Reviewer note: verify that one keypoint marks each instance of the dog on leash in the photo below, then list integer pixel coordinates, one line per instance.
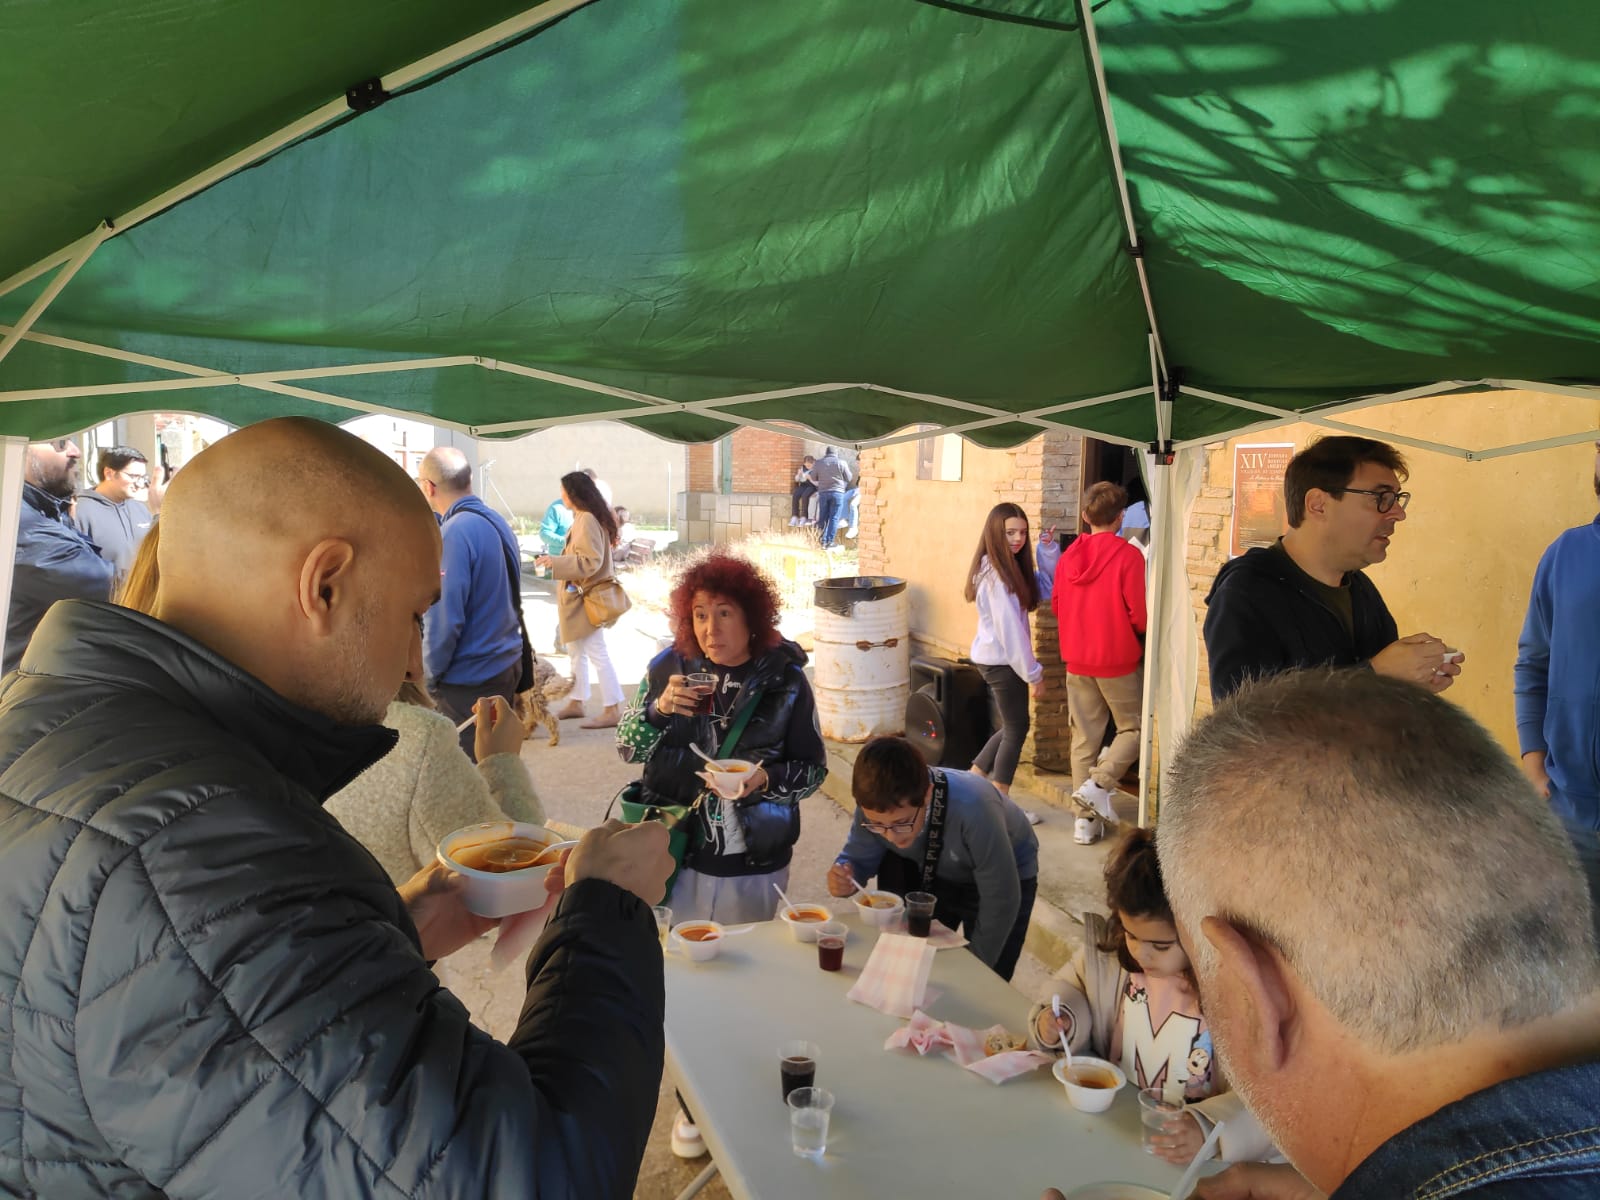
(533, 705)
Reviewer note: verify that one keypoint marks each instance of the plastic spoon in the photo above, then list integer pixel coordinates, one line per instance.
(461, 727)
(702, 754)
(1192, 1171)
(1061, 1031)
(782, 897)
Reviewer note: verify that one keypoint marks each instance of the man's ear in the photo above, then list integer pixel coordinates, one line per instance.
(1264, 997)
(1316, 501)
(325, 592)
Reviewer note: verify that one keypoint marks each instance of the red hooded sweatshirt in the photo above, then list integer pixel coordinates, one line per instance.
(1099, 606)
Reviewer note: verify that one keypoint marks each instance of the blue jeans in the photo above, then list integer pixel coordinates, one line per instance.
(829, 505)
(1533, 1138)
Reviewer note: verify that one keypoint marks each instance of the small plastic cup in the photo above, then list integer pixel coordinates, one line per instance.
(663, 916)
(919, 913)
(797, 1065)
(705, 683)
(831, 938)
(809, 1111)
(1156, 1112)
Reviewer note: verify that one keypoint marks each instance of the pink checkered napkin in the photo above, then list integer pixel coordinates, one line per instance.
(895, 979)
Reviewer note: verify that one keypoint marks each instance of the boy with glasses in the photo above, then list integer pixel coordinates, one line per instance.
(947, 832)
(1305, 601)
(114, 513)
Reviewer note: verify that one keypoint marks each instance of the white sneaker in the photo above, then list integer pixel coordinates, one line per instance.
(1093, 800)
(793, 521)
(1033, 817)
(851, 532)
(1086, 831)
(686, 1139)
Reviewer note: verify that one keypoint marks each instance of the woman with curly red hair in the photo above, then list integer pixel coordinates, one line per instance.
(752, 684)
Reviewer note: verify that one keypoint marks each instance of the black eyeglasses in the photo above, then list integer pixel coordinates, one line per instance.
(905, 826)
(1387, 497)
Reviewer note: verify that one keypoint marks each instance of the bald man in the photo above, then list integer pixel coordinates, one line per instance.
(207, 988)
(473, 637)
(55, 560)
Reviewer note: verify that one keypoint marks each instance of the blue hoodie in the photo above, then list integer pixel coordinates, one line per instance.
(472, 633)
(1558, 674)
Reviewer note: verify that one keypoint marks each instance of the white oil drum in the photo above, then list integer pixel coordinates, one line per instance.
(862, 649)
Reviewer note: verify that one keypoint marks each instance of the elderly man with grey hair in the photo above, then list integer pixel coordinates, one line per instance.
(1392, 941)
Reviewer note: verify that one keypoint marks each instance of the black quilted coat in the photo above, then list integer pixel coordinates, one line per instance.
(208, 989)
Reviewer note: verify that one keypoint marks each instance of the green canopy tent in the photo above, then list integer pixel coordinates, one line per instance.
(1157, 224)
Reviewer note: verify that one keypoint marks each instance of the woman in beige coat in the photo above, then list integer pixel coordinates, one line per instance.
(584, 562)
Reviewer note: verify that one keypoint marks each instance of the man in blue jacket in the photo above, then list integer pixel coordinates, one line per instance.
(55, 561)
(472, 638)
(1558, 688)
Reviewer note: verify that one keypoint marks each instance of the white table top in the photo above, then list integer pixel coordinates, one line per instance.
(903, 1126)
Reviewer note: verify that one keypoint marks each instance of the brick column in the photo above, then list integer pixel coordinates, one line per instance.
(1208, 551)
(702, 469)
(873, 465)
(764, 461)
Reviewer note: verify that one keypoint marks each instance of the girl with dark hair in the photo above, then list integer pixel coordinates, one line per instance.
(584, 563)
(734, 686)
(1128, 996)
(1003, 584)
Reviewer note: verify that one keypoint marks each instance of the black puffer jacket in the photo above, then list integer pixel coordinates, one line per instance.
(771, 819)
(55, 561)
(208, 989)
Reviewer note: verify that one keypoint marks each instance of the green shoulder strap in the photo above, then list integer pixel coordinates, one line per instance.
(736, 730)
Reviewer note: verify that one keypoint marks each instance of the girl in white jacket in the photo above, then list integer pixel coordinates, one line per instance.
(1004, 586)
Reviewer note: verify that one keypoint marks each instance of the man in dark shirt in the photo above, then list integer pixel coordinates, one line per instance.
(1305, 601)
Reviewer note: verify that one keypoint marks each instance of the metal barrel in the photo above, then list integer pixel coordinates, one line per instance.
(862, 647)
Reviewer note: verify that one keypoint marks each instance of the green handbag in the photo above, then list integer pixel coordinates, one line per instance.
(633, 810)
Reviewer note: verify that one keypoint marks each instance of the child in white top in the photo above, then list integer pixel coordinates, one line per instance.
(1128, 996)
(1005, 588)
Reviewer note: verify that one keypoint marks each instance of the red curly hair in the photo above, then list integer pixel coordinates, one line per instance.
(736, 579)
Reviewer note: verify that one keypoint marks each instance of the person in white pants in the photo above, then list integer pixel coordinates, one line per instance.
(584, 561)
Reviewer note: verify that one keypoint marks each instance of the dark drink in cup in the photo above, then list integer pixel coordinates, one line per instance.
(705, 685)
(798, 1071)
(919, 913)
(830, 951)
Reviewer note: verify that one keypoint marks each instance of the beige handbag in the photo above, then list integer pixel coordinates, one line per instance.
(604, 602)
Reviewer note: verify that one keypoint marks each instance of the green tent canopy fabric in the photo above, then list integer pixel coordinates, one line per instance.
(853, 216)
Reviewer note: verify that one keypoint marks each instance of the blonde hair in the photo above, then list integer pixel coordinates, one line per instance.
(1378, 838)
(139, 589)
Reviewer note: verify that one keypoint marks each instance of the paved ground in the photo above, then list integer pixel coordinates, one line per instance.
(578, 778)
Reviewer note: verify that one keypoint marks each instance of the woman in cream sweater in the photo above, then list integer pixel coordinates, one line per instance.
(401, 806)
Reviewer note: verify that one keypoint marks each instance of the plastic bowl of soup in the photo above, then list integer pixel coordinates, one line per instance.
(700, 940)
(1116, 1191)
(878, 908)
(1092, 1084)
(503, 863)
(729, 775)
(804, 920)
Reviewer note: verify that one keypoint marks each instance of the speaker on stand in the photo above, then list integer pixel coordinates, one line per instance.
(949, 715)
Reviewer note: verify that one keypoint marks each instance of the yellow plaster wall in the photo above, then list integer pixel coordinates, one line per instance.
(930, 530)
(1462, 563)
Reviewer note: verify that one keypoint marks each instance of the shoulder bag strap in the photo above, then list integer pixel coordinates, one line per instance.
(514, 578)
(740, 723)
(936, 810)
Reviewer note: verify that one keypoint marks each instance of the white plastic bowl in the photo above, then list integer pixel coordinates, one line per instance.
(805, 931)
(728, 776)
(500, 893)
(1087, 1099)
(1115, 1191)
(699, 951)
(880, 917)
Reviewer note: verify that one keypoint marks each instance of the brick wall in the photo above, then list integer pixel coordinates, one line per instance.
(702, 473)
(1208, 550)
(765, 461)
(1044, 479)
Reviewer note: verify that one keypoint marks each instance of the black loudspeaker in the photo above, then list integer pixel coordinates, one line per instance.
(948, 716)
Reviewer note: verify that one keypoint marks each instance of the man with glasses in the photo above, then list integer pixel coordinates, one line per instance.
(1305, 601)
(946, 832)
(114, 513)
(54, 561)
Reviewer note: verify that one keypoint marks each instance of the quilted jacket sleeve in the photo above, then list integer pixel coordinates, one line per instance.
(276, 1032)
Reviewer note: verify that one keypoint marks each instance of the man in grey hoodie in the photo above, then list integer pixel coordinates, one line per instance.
(114, 514)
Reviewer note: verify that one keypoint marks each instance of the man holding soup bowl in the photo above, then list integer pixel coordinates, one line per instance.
(223, 964)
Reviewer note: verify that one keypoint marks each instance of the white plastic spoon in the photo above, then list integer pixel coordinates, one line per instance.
(1192, 1171)
(1061, 1031)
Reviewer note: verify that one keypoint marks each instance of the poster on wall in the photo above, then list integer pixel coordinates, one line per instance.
(1259, 515)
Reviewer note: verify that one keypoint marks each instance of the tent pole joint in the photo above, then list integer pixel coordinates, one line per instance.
(366, 95)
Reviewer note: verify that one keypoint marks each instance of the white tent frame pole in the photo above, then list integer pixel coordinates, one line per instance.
(1135, 249)
(1155, 585)
(897, 438)
(13, 463)
(41, 302)
(1549, 389)
(1550, 443)
(29, 273)
(333, 110)
(1288, 415)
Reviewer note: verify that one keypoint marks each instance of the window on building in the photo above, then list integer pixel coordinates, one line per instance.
(939, 458)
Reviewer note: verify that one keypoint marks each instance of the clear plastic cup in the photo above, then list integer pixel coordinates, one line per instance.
(831, 938)
(809, 1111)
(919, 913)
(1156, 1112)
(663, 916)
(797, 1065)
